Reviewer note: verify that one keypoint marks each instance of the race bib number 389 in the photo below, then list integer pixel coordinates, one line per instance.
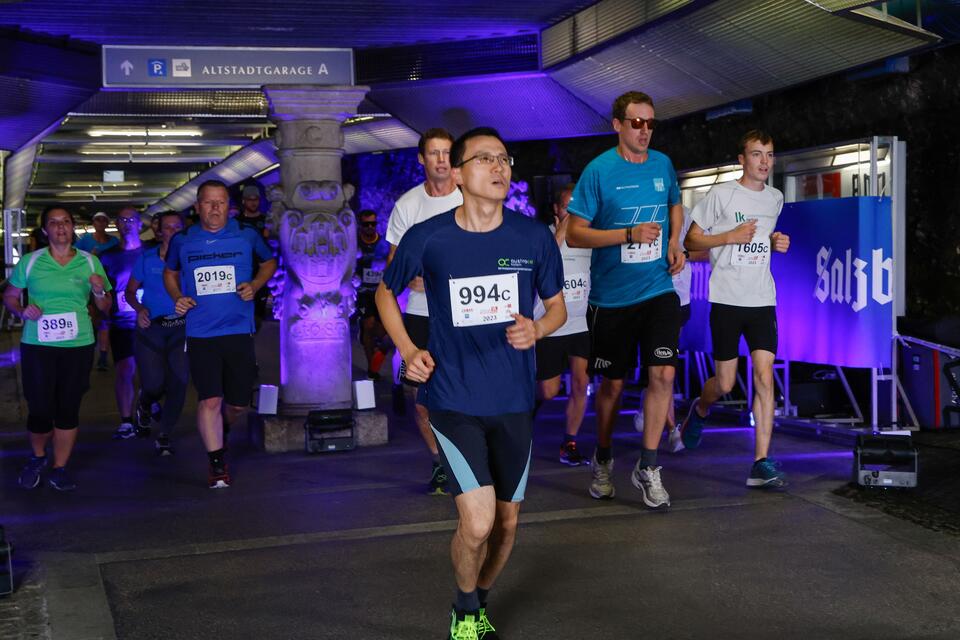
(484, 299)
(214, 280)
(57, 327)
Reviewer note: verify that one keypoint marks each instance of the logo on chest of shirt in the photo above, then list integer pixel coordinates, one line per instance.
(739, 217)
(658, 184)
(515, 264)
(223, 255)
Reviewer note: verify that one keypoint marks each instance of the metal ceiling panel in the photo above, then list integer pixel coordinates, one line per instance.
(521, 106)
(378, 135)
(844, 5)
(599, 23)
(29, 106)
(731, 50)
(176, 104)
(301, 23)
(17, 171)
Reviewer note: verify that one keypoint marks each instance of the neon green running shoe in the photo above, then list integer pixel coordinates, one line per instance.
(485, 630)
(463, 626)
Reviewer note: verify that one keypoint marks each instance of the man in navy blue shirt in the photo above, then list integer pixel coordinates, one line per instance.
(482, 266)
(209, 275)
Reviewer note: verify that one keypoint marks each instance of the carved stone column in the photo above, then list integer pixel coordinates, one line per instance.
(318, 242)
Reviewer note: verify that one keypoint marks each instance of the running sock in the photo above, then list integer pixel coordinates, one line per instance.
(128, 419)
(759, 460)
(216, 457)
(482, 596)
(467, 601)
(648, 458)
(604, 454)
(567, 438)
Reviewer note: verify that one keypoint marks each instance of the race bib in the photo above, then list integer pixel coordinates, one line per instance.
(213, 280)
(633, 252)
(751, 254)
(484, 299)
(57, 327)
(122, 305)
(576, 287)
(372, 276)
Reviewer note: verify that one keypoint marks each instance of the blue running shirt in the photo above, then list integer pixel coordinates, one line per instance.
(473, 282)
(148, 270)
(614, 194)
(211, 265)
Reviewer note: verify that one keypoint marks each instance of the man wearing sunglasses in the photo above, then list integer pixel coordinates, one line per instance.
(118, 263)
(436, 194)
(626, 207)
(482, 266)
(372, 251)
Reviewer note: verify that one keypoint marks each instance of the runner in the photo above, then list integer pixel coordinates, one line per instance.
(626, 206)
(568, 346)
(159, 347)
(372, 252)
(56, 349)
(216, 295)
(740, 218)
(436, 194)
(481, 265)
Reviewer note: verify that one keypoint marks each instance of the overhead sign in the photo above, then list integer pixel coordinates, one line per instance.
(223, 67)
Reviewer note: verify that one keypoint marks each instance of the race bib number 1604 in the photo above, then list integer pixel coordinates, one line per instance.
(484, 299)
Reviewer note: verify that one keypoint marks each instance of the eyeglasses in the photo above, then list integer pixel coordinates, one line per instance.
(637, 123)
(126, 220)
(487, 160)
(369, 224)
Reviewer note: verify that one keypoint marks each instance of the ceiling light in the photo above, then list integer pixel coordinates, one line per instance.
(729, 175)
(131, 152)
(700, 181)
(143, 132)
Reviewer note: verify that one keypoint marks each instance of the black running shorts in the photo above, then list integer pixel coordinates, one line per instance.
(418, 328)
(121, 343)
(554, 353)
(727, 323)
(616, 333)
(485, 451)
(223, 367)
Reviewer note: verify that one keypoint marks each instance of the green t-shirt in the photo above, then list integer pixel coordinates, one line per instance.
(61, 293)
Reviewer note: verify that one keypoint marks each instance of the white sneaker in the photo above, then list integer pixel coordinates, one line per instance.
(648, 481)
(675, 441)
(638, 420)
(125, 431)
(601, 487)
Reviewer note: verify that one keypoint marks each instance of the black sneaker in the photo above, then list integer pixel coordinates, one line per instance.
(143, 417)
(485, 630)
(570, 456)
(162, 445)
(218, 477)
(125, 431)
(439, 483)
(60, 480)
(30, 475)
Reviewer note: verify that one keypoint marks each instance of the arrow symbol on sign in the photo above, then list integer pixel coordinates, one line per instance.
(127, 67)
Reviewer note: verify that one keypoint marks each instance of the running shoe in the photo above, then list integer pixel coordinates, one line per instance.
(463, 625)
(570, 456)
(766, 474)
(218, 477)
(485, 630)
(125, 431)
(675, 441)
(60, 480)
(156, 411)
(439, 483)
(162, 445)
(691, 431)
(648, 481)
(601, 487)
(30, 475)
(143, 416)
(638, 421)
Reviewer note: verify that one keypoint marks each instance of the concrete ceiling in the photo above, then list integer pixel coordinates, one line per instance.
(532, 68)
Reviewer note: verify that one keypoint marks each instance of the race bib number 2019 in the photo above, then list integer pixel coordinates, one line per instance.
(58, 327)
(214, 280)
(484, 299)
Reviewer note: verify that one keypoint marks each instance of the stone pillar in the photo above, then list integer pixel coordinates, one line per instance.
(318, 242)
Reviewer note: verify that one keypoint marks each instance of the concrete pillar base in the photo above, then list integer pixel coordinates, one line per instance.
(279, 434)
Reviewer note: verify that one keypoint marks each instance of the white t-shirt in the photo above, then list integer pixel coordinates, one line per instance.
(741, 272)
(411, 208)
(576, 289)
(681, 281)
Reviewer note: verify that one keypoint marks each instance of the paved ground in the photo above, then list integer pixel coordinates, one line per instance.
(347, 546)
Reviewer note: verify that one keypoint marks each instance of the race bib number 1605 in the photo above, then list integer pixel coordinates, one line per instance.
(484, 299)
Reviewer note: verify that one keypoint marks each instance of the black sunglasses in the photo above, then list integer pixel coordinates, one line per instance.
(637, 123)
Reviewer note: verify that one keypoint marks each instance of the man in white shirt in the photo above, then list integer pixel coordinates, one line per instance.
(436, 194)
(736, 221)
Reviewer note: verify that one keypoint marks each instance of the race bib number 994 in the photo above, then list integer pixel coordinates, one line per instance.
(484, 299)
(214, 280)
(57, 327)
